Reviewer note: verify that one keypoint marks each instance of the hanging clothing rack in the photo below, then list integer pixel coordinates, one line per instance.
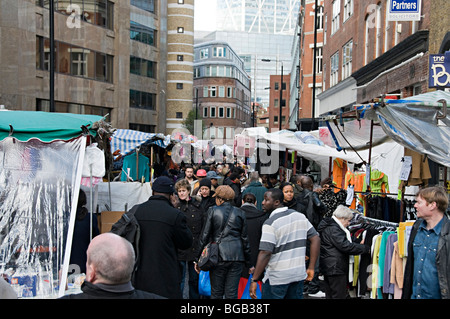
(372, 221)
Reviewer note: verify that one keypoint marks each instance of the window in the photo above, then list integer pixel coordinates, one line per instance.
(221, 91)
(348, 9)
(378, 33)
(141, 33)
(142, 67)
(179, 86)
(180, 1)
(277, 86)
(143, 127)
(347, 59)
(334, 72)
(366, 40)
(205, 91)
(147, 5)
(275, 119)
(228, 112)
(179, 115)
(221, 112)
(229, 92)
(204, 53)
(213, 91)
(180, 57)
(319, 59)
(213, 111)
(74, 60)
(336, 16)
(77, 62)
(64, 107)
(143, 100)
(180, 29)
(97, 12)
(219, 52)
(319, 20)
(205, 112)
(275, 103)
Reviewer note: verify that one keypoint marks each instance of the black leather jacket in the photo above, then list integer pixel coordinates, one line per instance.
(234, 245)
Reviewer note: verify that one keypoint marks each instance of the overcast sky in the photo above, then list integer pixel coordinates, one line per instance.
(205, 15)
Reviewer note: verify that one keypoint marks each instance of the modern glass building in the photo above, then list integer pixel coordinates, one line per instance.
(261, 33)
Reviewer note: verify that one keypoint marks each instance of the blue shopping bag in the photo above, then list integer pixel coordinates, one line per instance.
(246, 293)
(204, 284)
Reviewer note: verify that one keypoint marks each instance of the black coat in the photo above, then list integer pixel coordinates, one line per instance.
(255, 220)
(163, 232)
(335, 248)
(91, 291)
(234, 245)
(195, 216)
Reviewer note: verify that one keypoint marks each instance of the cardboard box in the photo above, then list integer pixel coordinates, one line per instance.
(107, 219)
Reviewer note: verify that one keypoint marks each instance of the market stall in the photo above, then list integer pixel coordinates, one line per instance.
(41, 167)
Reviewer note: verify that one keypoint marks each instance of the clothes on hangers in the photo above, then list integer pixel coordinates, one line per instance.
(129, 162)
(332, 200)
(339, 170)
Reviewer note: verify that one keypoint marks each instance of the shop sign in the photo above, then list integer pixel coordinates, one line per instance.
(404, 10)
(439, 71)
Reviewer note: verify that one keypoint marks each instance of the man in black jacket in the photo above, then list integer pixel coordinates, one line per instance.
(163, 232)
(110, 262)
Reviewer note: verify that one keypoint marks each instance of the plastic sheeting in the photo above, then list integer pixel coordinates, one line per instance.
(414, 123)
(39, 184)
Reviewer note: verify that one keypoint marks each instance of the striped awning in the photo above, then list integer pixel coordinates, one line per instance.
(128, 140)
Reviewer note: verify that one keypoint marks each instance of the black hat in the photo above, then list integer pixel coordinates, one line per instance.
(205, 182)
(163, 184)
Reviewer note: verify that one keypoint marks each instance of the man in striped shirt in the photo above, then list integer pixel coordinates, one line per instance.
(282, 250)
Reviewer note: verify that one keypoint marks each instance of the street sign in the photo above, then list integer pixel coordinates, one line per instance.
(439, 70)
(404, 10)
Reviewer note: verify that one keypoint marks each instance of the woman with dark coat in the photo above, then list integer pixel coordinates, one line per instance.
(255, 221)
(234, 247)
(289, 200)
(195, 218)
(336, 248)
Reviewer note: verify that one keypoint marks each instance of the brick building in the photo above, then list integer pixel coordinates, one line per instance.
(366, 56)
(274, 102)
(222, 90)
(305, 84)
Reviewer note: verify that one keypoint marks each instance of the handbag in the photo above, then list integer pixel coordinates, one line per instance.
(210, 254)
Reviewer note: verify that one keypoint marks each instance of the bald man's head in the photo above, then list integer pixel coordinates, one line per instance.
(110, 259)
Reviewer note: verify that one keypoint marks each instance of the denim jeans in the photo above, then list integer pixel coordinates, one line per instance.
(293, 290)
(192, 279)
(225, 279)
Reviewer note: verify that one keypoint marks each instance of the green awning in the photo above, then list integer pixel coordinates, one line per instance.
(45, 126)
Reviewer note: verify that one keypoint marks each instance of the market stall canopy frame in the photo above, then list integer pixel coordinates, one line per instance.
(45, 126)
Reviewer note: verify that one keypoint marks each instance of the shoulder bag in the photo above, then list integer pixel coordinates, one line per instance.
(210, 254)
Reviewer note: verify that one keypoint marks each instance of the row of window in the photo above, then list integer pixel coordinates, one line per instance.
(142, 33)
(147, 5)
(142, 100)
(142, 67)
(222, 91)
(347, 53)
(348, 12)
(74, 60)
(64, 107)
(221, 71)
(220, 112)
(97, 12)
